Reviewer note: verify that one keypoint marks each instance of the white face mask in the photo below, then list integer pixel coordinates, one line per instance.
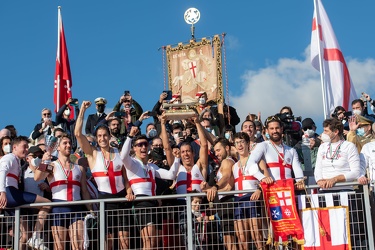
(357, 112)
(202, 101)
(325, 138)
(67, 112)
(36, 162)
(7, 149)
(310, 133)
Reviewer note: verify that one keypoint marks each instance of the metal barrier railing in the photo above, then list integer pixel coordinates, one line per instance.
(178, 227)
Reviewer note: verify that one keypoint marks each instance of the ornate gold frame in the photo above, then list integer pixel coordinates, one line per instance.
(216, 44)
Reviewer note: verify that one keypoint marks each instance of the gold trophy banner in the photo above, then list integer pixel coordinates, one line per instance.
(196, 67)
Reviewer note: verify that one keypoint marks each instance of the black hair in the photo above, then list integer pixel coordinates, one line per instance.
(223, 141)
(58, 129)
(242, 135)
(358, 101)
(101, 126)
(139, 137)
(247, 121)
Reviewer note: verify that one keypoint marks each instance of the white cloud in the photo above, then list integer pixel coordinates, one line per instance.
(295, 83)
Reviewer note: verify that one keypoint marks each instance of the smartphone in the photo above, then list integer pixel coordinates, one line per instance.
(348, 113)
(169, 95)
(126, 92)
(180, 134)
(152, 113)
(119, 114)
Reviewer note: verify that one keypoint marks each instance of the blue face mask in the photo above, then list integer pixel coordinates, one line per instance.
(227, 136)
(360, 131)
(209, 130)
(267, 136)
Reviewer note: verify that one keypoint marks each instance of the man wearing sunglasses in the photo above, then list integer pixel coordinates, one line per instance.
(45, 127)
(281, 159)
(141, 176)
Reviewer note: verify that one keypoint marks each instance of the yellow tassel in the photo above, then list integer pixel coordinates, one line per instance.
(322, 231)
(269, 240)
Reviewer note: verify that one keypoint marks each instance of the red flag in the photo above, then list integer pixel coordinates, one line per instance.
(63, 78)
(281, 206)
(326, 57)
(325, 227)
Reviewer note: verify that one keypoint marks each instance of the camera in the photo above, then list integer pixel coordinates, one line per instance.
(290, 123)
(126, 92)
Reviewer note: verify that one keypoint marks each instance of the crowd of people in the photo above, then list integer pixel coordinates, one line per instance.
(111, 158)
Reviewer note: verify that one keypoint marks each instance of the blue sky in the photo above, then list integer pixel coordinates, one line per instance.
(113, 46)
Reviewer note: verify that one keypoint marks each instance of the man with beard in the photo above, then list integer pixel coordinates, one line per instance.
(282, 160)
(222, 180)
(94, 119)
(68, 183)
(109, 173)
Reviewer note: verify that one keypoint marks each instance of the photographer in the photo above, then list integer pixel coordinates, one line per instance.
(343, 116)
(132, 111)
(291, 126)
(67, 124)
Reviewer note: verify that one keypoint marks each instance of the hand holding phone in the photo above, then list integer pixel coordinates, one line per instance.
(169, 95)
(119, 114)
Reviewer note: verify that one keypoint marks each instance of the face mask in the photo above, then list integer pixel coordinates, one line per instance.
(267, 136)
(209, 130)
(202, 101)
(7, 149)
(46, 119)
(67, 112)
(310, 133)
(101, 108)
(360, 131)
(258, 134)
(177, 102)
(357, 112)
(325, 138)
(158, 151)
(227, 136)
(152, 133)
(36, 162)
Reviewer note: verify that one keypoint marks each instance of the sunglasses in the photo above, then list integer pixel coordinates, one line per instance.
(141, 144)
(47, 114)
(273, 118)
(35, 156)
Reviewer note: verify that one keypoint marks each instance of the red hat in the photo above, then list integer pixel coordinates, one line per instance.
(174, 97)
(199, 94)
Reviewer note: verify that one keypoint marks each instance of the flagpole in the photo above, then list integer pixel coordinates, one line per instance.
(317, 21)
(58, 56)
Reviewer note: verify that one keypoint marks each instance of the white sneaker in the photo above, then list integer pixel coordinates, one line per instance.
(36, 244)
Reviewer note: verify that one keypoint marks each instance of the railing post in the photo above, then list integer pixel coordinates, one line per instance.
(102, 231)
(189, 219)
(16, 227)
(370, 235)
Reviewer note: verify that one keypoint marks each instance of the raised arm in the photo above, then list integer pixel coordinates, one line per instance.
(203, 152)
(81, 139)
(164, 137)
